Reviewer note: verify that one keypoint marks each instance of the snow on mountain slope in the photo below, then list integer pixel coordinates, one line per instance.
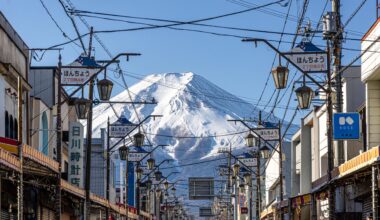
(191, 107)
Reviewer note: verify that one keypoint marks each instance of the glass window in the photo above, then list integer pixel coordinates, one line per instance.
(7, 125)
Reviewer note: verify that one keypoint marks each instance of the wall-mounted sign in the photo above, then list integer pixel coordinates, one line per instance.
(346, 126)
(80, 71)
(76, 154)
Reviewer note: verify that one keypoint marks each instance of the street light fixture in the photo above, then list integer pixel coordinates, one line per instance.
(139, 139)
(265, 151)
(247, 179)
(158, 175)
(280, 76)
(242, 187)
(236, 169)
(139, 173)
(174, 190)
(150, 163)
(105, 89)
(123, 151)
(148, 184)
(304, 95)
(251, 140)
(166, 185)
(82, 106)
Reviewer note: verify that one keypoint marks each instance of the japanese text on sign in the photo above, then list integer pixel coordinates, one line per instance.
(268, 134)
(76, 154)
(309, 62)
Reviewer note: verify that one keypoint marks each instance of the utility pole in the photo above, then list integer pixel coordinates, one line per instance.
(20, 188)
(59, 143)
(337, 63)
(89, 139)
(258, 182)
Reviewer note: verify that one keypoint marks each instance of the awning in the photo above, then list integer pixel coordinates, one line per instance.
(301, 200)
(9, 145)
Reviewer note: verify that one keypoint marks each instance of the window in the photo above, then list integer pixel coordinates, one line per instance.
(7, 125)
(45, 134)
(15, 129)
(10, 122)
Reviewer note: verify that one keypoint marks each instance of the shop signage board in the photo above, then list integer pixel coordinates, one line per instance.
(346, 126)
(76, 154)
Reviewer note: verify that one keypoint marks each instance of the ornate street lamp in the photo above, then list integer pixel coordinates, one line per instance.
(280, 76)
(123, 151)
(242, 188)
(236, 169)
(158, 192)
(150, 163)
(105, 89)
(148, 184)
(265, 151)
(158, 175)
(82, 106)
(174, 190)
(304, 95)
(139, 139)
(247, 179)
(139, 173)
(250, 140)
(166, 185)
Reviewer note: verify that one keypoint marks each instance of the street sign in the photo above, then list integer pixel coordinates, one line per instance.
(268, 134)
(346, 126)
(121, 127)
(223, 171)
(80, 71)
(308, 57)
(136, 156)
(223, 150)
(250, 162)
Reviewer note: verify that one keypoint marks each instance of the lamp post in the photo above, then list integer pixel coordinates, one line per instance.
(110, 148)
(236, 171)
(304, 100)
(123, 153)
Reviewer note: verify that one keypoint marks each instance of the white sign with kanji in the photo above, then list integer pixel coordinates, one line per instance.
(268, 134)
(250, 162)
(75, 171)
(136, 156)
(309, 62)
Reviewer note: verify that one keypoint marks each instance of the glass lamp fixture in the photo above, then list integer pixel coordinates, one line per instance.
(105, 89)
(280, 76)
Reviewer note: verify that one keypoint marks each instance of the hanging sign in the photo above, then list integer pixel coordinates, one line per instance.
(79, 71)
(76, 154)
(121, 128)
(250, 162)
(268, 134)
(308, 57)
(136, 156)
(223, 171)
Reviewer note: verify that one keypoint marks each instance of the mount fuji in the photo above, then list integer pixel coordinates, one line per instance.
(194, 123)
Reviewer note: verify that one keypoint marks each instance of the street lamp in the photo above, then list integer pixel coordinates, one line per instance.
(123, 151)
(139, 173)
(242, 187)
(247, 179)
(82, 106)
(250, 140)
(280, 76)
(304, 95)
(158, 175)
(265, 151)
(139, 139)
(166, 185)
(150, 163)
(105, 89)
(148, 184)
(236, 169)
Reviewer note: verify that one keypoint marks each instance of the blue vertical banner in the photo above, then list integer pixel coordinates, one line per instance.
(131, 184)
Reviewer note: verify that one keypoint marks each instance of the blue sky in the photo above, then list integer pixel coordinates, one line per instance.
(237, 67)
